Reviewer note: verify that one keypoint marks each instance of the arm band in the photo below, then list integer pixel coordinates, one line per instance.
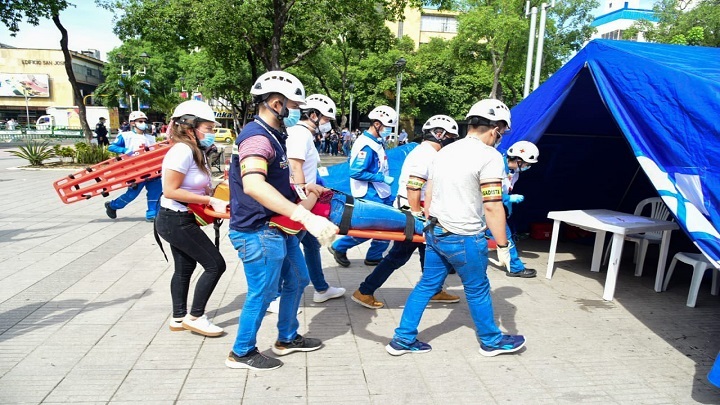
(491, 192)
(415, 183)
(253, 165)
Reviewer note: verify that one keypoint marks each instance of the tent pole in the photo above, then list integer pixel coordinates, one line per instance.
(627, 189)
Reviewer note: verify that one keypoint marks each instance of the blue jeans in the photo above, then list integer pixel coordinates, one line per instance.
(516, 264)
(154, 190)
(311, 248)
(269, 257)
(469, 256)
(399, 254)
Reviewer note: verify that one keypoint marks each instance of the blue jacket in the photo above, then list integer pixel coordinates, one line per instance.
(118, 146)
(368, 168)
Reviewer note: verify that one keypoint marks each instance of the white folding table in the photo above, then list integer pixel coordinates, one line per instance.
(620, 224)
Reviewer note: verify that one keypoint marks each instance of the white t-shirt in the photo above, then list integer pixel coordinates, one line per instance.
(180, 159)
(417, 164)
(300, 146)
(456, 173)
(134, 141)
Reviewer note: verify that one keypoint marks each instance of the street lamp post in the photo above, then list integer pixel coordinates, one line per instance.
(351, 87)
(27, 108)
(400, 66)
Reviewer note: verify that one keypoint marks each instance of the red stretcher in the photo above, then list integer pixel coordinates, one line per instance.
(358, 233)
(113, 174)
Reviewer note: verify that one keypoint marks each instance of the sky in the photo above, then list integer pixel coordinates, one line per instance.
(89, 27)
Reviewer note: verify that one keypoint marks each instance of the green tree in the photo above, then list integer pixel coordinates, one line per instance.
(12, 13)
(161, 68)
(678, 25)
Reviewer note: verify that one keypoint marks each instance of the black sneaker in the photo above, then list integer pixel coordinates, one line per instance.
(299, 344)
(372, 262)
(526, 273)
(340, 258)
(254, 360)
(507, 344)
(112, 213)
(397, 348)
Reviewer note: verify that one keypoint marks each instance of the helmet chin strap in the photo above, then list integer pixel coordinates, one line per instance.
(279, 115)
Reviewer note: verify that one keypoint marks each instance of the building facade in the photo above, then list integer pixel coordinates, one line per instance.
(40, 75)
(619, 16)
(423, 24)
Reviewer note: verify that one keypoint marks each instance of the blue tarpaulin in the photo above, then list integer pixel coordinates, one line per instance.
(663, 101)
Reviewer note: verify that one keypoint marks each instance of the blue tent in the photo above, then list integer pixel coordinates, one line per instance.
(663, 101)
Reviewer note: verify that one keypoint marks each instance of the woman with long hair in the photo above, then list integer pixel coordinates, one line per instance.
(186, 180)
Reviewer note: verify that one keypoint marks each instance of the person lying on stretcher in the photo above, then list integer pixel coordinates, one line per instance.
(346, 212)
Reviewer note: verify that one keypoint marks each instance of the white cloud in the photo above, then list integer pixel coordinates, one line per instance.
(89, 27)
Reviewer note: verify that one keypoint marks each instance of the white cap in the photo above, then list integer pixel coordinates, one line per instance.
(277, 81)
(386, 115)
(195, 108)
(492, 110)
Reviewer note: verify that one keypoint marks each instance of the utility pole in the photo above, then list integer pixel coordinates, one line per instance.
(541, 40)
(531, 47)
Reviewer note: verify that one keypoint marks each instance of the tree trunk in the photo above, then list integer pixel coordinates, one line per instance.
(71, 77)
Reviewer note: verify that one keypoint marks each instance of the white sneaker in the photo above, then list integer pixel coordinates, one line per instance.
(274, 307)
(175, 324)
(330, 293)
(202, 325)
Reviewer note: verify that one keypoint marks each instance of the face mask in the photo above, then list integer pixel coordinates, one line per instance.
(208, 140)
(386, 132)
(292, 118)
(141, 126)
(324, 128)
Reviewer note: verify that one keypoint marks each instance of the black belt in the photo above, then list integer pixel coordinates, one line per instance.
(432, 223)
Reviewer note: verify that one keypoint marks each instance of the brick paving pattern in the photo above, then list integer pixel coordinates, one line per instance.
(84, 305)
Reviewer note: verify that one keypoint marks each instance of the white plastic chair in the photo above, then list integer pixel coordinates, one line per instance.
(700, 263)
(658, 210)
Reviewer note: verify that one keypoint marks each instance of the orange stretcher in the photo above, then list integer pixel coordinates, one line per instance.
(358, 233)
(113, 174)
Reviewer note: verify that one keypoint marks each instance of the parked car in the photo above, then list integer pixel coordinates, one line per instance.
(226, 135)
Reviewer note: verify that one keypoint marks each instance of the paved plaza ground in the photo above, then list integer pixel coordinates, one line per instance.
(84, 305)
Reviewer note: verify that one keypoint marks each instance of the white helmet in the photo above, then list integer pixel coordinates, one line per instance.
(386, 115)
(136, 115)
(525, 150)
(277, 81)
(195, 108)
(490, 109)
(441, 121)
(322, 103)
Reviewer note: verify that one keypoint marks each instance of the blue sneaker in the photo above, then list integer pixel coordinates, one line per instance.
(507, 344)
(397, 348)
